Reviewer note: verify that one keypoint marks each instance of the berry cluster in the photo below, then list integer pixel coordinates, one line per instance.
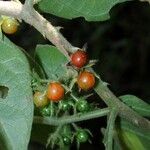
(58, 99)
(56, 91)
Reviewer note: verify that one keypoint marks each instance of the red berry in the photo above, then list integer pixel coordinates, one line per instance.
(55, 92)
(86, 80)
(79, 58)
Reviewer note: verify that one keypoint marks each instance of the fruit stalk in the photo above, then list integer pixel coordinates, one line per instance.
(71, 119)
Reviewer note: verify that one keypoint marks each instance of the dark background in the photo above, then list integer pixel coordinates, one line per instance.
(121, 44)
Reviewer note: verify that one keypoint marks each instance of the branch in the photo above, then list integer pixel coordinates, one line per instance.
(10, 8)
(145, 1)
(123, 110)
(33, 18)
(70, 119)
(109, 132)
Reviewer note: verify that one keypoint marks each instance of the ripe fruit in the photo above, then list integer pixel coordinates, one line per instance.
(9, 25)
(55, 91)
(86, 80)
(82, 136)
(40, 99)
(82, 106)
(79, 58)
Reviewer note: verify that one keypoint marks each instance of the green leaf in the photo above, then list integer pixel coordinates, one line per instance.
(136, 104)
(132, 137)
(16, 107)
(91, 10)
(131, 141)
(52, 61)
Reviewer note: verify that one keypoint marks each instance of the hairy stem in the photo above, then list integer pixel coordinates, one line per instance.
(109, 133)
(124, 111)
(145, 1)
(70, 119)
(33, 18)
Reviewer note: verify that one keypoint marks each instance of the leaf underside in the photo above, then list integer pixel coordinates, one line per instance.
(52, 61)
(16, 109)
(136, 104)
(131, 137)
